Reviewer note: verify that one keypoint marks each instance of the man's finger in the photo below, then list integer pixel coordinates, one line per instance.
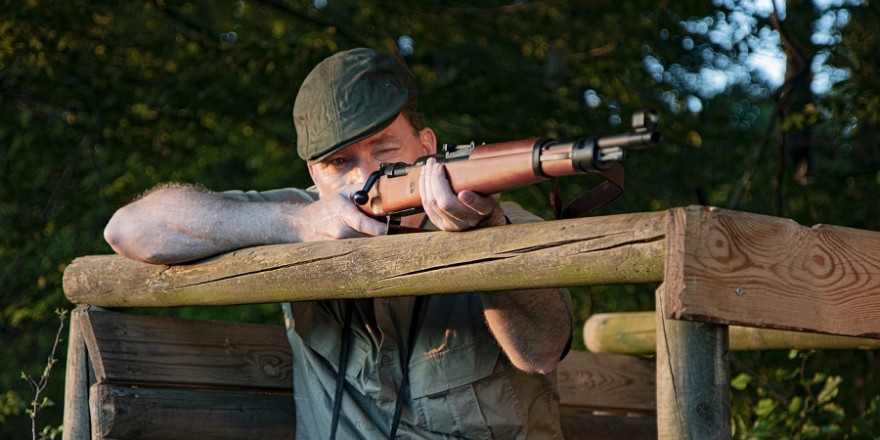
(356, 219)
(366, 225)
(439, 187)
(480, 204)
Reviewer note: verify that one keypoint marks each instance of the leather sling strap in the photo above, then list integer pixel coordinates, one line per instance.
(599, 196)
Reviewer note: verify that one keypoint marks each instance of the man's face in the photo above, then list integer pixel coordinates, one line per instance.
(353, 164)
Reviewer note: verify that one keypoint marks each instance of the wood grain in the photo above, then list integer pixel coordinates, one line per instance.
(625, 248)
(161, 377)
(607, 382)
(162, 351)
(738, 268)
(584, 426)
(125, 412)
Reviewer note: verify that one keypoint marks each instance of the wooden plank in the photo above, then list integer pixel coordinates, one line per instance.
(693, 379)
(582, 426)
(755, 270)
(154, 350)
(124, 412)
(634, 333)
(606, 382)
(76, 383)
(625, 248)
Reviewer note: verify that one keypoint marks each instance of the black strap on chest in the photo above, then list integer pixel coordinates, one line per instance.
(410, 346)
(343, 363)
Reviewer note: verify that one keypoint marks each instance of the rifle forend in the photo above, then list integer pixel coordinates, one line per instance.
(493, 168)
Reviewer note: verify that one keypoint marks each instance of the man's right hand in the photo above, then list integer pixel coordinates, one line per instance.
(334, 217)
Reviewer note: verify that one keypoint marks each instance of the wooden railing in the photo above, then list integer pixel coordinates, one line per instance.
(717, 267)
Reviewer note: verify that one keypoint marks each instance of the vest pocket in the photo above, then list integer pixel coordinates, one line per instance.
(456, 392)
(454, 412)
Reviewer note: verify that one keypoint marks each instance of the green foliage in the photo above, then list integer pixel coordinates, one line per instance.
(793, 395)
(103, 100)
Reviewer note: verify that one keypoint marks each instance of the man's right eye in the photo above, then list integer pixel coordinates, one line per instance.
(337, 162)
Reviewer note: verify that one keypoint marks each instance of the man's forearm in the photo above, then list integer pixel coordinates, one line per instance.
(175, 224)
(532, 326)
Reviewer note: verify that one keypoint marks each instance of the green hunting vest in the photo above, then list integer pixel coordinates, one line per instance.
(461, 385)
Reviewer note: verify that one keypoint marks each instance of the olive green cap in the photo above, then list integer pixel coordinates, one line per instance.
(349, 97)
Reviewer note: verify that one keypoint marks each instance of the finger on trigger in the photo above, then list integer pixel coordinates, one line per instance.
(367, 225)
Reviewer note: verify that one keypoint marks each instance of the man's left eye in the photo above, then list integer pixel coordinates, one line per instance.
(386, 153)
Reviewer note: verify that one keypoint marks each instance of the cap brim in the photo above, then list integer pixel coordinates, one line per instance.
(372, 131)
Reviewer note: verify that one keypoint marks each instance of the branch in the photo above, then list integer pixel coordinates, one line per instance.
(747, 175)
(208, 35)
(794, 49)
(40, 385)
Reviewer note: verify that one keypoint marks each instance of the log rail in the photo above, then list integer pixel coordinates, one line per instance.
(717, 267)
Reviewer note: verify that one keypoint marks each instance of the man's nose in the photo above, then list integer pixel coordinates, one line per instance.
(360, 173)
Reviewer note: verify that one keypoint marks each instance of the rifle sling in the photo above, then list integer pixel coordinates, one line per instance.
(599, 196)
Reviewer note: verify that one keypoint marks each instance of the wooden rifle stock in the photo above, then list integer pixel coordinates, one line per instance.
(492, 168)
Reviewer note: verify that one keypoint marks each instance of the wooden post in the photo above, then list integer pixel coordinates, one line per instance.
(693, 379)
(76, 383)
(693, 374)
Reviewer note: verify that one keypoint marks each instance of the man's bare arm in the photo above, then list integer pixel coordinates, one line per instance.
(533, 327)
(178, 223)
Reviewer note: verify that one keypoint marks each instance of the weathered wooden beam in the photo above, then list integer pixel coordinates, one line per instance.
(170, 414)
(693, 379)
(635, 333)
(585, 426)
(625, 248)
(607, 383)
(738, 268)
(162, 377)
(148, 350)
(76, 383)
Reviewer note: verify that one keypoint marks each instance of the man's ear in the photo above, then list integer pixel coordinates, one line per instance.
(428, 140)
(311, 172)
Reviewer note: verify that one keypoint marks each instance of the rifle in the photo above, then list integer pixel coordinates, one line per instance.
(392, 191)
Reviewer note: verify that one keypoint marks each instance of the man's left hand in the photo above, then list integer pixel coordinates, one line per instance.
(455, 212)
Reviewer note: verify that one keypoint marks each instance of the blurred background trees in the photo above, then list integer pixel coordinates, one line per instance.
(769, 108)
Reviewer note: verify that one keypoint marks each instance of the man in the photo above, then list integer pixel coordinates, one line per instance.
(444, 366)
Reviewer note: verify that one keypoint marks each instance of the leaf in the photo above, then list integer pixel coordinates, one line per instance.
(741, 381)
(830, 390)
(765, 407)
(783, 374)
(810, 430)
(832, 429)
(834, 412)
